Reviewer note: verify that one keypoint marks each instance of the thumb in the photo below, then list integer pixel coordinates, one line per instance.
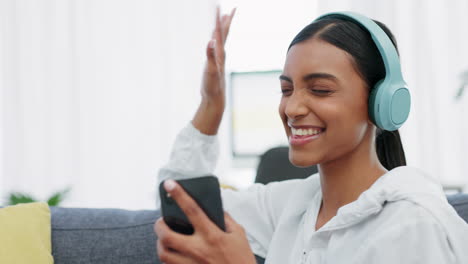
(211, 56)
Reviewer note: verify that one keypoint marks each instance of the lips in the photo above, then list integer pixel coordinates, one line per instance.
(301, 135)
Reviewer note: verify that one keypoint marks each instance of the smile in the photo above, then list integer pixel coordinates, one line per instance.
(305, 131)
(301, 136)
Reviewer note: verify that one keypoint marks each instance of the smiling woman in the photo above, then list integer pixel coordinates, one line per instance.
(336, 81)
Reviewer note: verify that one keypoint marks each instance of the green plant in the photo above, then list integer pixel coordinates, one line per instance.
(54, 200)
(464, 83)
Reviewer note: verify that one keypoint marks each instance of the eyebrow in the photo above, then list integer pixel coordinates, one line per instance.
(311, 76)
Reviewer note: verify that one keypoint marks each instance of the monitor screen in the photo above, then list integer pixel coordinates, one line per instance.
(255, 123)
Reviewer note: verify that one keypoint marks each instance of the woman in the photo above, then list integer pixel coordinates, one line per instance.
(364, 205)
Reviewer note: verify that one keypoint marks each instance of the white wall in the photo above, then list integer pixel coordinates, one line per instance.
(2, 150)
(94, 93)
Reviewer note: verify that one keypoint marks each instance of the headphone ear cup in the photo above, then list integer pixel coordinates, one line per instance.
(389, 105)
(400, 105)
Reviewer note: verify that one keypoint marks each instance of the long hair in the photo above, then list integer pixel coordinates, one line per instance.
(357, 42)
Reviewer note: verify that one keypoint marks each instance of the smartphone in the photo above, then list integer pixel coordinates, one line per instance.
(206, 193)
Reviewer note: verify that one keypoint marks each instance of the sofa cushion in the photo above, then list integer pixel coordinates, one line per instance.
(460, 203)
(25, 234)
(103, 236)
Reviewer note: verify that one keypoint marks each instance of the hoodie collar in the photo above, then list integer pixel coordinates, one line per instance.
(401, 183)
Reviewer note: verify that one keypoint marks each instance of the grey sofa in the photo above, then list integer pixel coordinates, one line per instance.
(105, 236)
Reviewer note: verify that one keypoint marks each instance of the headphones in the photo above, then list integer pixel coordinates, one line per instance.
(389, 99)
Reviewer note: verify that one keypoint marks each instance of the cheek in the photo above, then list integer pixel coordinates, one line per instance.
(349, 116)
(281, 108)
(348, 123)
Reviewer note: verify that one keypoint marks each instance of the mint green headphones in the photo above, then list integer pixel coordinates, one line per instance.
(389, 100)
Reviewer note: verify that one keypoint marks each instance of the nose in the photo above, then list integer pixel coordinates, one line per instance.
(296, 106)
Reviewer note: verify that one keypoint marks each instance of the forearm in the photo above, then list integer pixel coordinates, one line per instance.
(209, 115)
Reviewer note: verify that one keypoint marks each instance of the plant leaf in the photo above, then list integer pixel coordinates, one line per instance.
(18, 198)
(58, 197)
(460, 91)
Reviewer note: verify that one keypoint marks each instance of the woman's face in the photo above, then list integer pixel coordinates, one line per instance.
(324, 103)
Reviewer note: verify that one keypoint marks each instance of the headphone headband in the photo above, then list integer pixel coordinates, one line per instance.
(382, 41)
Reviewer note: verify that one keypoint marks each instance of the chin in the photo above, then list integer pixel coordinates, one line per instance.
(302, 160)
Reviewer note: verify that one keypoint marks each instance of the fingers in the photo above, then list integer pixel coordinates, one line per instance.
(211, 57)
(226, 24)
(168, 256)
(217, 33)
(169, 238)
(194, 213)
(215, 50)
(231, 224)
(222, 26)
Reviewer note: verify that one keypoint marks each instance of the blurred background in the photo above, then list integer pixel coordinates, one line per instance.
(94, 92)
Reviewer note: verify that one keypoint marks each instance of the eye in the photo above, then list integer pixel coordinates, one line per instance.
(321, 91)
(286, 91)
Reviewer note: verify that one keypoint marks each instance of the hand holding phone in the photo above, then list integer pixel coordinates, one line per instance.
(206, 193)
(209, 239)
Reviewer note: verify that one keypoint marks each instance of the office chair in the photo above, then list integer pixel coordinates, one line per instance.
(274, 165)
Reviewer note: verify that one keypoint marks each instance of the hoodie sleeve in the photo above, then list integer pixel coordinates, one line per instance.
(193, 154)
(421, 241)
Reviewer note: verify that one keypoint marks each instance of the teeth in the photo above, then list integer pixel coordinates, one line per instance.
(305, 132)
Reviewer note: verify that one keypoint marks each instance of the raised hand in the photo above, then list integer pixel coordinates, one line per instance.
(209, 114)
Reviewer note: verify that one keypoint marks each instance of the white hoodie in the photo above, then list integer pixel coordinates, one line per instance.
(404, 217)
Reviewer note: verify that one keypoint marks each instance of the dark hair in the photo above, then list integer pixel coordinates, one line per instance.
(357, 41)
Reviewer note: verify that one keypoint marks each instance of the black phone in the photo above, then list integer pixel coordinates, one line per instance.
(206, 193)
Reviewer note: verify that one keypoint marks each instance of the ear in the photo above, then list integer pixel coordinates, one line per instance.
(372, 128)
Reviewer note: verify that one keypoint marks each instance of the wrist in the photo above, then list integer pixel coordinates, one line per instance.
(213, 103)
(208, 116)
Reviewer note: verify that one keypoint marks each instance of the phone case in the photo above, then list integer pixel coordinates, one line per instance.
(206, 193)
